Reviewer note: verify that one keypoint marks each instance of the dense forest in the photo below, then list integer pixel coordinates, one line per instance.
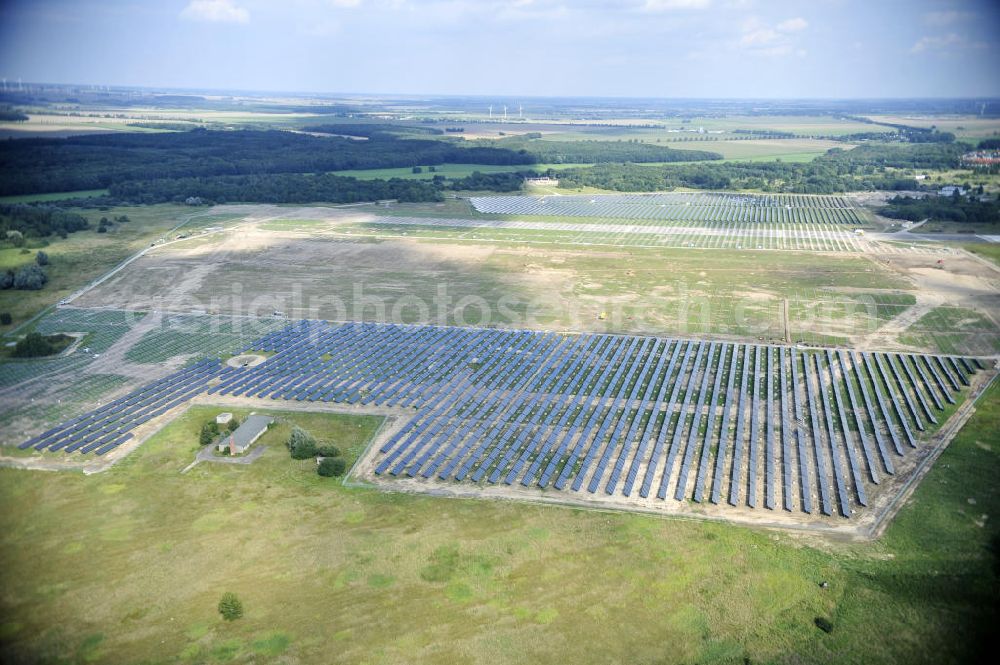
(38, 165)
(275, 188)
(92, 162)
(596, 152)
(897, 155)
(943, 209)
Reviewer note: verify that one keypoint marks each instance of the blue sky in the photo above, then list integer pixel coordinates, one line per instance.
(647, 48)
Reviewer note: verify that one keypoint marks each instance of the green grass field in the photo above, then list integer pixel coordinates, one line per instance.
(53, 196)
(990, 251)
(128, 566)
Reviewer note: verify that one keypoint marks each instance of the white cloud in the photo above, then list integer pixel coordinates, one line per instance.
(668, 5)
(345, 4)
(759, 37)
(947, 43)
(946, 17)
(793, 24)
(215, 11)
(780, 40)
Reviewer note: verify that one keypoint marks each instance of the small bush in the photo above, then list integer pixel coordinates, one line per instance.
(41, 258)
(230, 607)
(824, 624)
(5, 319)
(233, 424)
(327, 451)
(332, 467)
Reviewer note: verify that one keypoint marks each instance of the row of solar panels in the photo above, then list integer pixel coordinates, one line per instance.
(669, 207)
(697, 198)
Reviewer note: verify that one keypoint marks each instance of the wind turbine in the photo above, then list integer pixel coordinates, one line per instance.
(520, 111)
(491, 111)
(505, 113)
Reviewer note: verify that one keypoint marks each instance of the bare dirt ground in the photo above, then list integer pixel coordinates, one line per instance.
(319, 273)
(962, 280)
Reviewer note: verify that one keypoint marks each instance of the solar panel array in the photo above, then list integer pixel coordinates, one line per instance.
(695, 206)
(638, 417)
(111, 425)
(714, 234)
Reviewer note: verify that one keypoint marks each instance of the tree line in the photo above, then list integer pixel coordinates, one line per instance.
(956, 208)
(865, 168)
(34, 221)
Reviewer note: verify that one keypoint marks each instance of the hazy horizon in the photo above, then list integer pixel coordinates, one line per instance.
(637, 49)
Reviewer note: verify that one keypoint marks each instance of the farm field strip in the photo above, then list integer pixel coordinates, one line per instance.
(553, 410)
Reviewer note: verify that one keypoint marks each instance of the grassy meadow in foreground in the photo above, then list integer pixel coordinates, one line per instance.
(129, 565)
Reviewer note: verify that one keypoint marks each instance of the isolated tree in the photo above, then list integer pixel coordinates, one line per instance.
(301, 444)
(5, 318)
(417, 169)
(41, 258)
(332, 467)
(230, 607)
(15, 238)
(207, 435)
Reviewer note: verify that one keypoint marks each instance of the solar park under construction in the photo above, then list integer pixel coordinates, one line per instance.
(636, 421)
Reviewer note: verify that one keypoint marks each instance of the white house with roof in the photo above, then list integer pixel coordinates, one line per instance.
(245, 435)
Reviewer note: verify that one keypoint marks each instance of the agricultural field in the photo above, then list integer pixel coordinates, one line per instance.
(971, 128)
(50, 124)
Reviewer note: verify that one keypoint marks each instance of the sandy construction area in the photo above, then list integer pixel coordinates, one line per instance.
(313, 269)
